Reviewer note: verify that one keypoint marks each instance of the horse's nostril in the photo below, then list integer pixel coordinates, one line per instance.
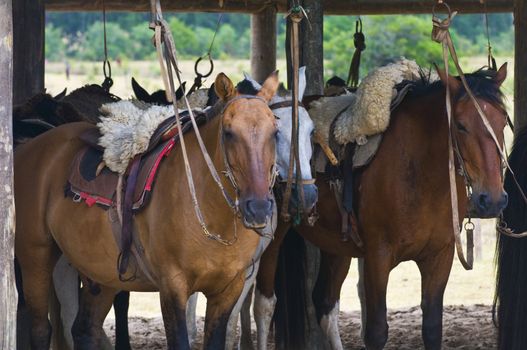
(483, 201)
(255, 206)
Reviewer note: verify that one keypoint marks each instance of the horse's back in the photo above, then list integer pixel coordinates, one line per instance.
(47, 155)
(41, 168)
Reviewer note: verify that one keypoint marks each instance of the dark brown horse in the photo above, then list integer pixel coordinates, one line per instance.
(181, 257)
(511, 276)
(402, 203)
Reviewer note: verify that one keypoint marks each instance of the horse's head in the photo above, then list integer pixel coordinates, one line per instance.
(283, 111)
(478, 153)
(248, 135)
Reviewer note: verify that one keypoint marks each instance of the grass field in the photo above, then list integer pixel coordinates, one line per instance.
(465, 287)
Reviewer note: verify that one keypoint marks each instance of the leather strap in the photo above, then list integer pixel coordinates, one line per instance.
(296, 14)
(285, 104)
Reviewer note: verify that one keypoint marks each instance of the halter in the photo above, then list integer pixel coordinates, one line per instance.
(287, 104)
(228, 169)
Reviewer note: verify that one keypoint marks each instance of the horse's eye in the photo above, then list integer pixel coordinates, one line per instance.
(276, 133)
(461, 127)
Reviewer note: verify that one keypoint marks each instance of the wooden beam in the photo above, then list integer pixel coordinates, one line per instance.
(311, 37)
(263, 43)
(520, 65)
(8, 294)
(332, 7)
(28, 54)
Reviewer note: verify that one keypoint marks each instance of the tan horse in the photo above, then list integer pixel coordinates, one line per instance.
(182, 258)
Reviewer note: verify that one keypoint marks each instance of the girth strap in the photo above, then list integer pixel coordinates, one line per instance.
(127, 216)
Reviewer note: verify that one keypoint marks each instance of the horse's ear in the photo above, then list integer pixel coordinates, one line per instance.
(269, 86)
(452, 82)
(224, 87)
(180, 91)
(140, 93)
(301, 82)
(61, 95)
(501, 74)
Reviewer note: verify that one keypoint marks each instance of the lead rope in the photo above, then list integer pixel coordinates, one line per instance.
(296, 14)
(163, 39)
(491, 62)
(106, 67)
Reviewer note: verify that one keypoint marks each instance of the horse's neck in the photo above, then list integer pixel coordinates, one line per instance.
(202, 177)
(426, 137)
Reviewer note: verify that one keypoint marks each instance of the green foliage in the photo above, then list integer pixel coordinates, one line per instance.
(55, 44)
(80, 35)
(92, 43)
(387, 38)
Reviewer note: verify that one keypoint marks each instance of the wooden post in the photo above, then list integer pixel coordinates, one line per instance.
(28, 54)
(311, 56)
(8, 295)
(520, 64)
(312, 47)
(263, 43)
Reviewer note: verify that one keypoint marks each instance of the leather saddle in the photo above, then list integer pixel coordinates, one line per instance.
(92, 183)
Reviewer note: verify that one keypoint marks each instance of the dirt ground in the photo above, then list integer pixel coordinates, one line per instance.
(464, 327)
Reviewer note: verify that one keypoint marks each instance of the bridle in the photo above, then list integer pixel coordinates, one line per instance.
(296, 180)
(229, 174)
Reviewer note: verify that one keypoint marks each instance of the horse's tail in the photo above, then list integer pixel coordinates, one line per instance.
(511, 278)
(290, 290)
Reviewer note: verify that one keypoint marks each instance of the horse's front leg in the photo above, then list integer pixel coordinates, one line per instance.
(173, 294)
(326, 294)
(377, 266)
(87, 329)
(121, 303)
(219, 309)
(435, 269)
(264, 296)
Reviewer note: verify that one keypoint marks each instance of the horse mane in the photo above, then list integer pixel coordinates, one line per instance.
(481, 82)
(510, 299)
(88, 99)
(246, 87)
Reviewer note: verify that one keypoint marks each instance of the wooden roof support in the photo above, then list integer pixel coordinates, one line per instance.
(263, 43)
(520, 65)
(28, 50)
(332, 7)
(8, 295)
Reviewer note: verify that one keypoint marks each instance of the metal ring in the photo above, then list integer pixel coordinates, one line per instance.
(469, 225)
(105, 64)
(197, 64)
(441, 3)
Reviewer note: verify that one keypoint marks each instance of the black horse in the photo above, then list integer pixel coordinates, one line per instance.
(511, 281)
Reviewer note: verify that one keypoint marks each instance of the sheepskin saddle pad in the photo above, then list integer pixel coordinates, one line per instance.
(145, 135)
(365, 115)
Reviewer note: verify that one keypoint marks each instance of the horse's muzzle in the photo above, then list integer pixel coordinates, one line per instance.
(256, 212)
(310, 197)
(483, 206)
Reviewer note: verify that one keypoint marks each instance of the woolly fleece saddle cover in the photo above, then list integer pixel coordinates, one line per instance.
(362, 117)
(128, 129)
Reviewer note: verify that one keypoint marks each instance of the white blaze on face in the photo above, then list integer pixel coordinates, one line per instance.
(283, 142)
